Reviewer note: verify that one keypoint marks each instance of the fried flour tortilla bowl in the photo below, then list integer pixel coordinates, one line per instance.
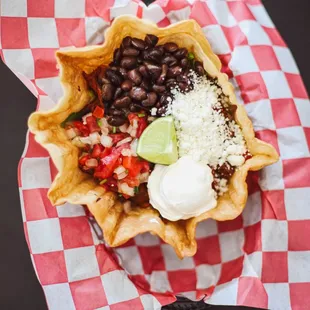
(76, 187)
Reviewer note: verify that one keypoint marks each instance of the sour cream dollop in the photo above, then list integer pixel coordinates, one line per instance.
(182, 190)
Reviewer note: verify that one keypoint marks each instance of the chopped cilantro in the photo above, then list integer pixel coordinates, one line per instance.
(103, 181)
(73, 116)
(136, 189)
(141, 114)
(114, 129)
(99, 122)
(191, 56)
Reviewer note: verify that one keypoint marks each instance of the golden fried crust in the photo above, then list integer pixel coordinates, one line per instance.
(72, 185)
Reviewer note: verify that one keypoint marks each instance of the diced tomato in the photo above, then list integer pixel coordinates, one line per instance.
(92, 124)
(145, 166)
(132, 163)
(98, 112)
(82, 128)
(83, 159)
(132, 116)
(108, 164)
(131, 181)
(116, 137)
(142, 124)
(107, 151)
(111, 185)
(97, 150)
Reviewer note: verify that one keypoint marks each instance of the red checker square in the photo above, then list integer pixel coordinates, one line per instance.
(253, 2)
(181, 279)
(274, 36)
(128, 305)
(14, 32)
(255, 296)
(75, 232)
(298, 235)
(71, 31)
(44, 62)
(208, 251)
(273, 205)
(37, 205)
(164, 298)
(164, 22)
(253, 238)
(240, 11)
(53, 169)
(307, 134)
(34, 148)
(40, 8)
(202, 14)
(140, 282)
(299, 295)
(51, 267)
(88, 294)
(156, 263)
(95, 8)
(274, 267)
(252, 87)
(234, 36)
(269, 136)
(231, 270)
(296, 85)
(225, 59)
(296, 172)
(106, 260)
(173, 5)
(265, 57)
(252, 182)
(284, 113)
(232, 225)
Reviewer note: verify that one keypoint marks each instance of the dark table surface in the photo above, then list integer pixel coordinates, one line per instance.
(19, 287)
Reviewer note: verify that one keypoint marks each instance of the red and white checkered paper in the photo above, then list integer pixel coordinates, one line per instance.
(260, 259)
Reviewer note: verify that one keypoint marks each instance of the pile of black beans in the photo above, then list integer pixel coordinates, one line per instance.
(141, 76)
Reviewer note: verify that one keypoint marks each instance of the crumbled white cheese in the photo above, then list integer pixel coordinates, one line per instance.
(154, 111)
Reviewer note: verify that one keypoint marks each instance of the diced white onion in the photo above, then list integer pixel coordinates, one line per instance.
(126, 152)
(122, 175)
(123, 128)
(133, 146)
(125, 189)
(129, 129)
(127, 206)
(143, 177)
(84, 118)
(91, 163)
(85, 140)
(119, 169)
(106, 141)
(104, 131)
(103, 123)
(133, 133)
(135, 124)
(71, 133)
(94, 137)
(77, 142)
(128, 139)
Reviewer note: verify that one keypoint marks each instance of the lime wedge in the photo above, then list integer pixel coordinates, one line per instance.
(158, 142)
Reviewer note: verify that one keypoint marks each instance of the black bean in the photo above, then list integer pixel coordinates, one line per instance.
(169, 60)
(107, 92)
(116, 112)
(150, 100)
(171, 83)
(170, 47)
(181, 53)
(135, 76)
(162, 77)
(140, 60)
(134, 107)
(151, 39)
(123, 102)
(138, 43)
(118, 93)
(123, 72)
(117, 55)
(146, 84)
(184, 62)
(174, 71)
(153, 70)
(159, 88)
(126, 85)
(158, 105)
(114, 68)
(126, 42)
(161, 111)
(114, 76)
(128, 62)
(138, 93)
(153, 54)
(198, 66)
(130, 51)
(182, 78)
(143, 70)
(116, 121)
(165, 99)
(183, 86)
(161, 47)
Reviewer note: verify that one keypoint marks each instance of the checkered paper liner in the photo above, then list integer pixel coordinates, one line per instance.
(260, 259)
